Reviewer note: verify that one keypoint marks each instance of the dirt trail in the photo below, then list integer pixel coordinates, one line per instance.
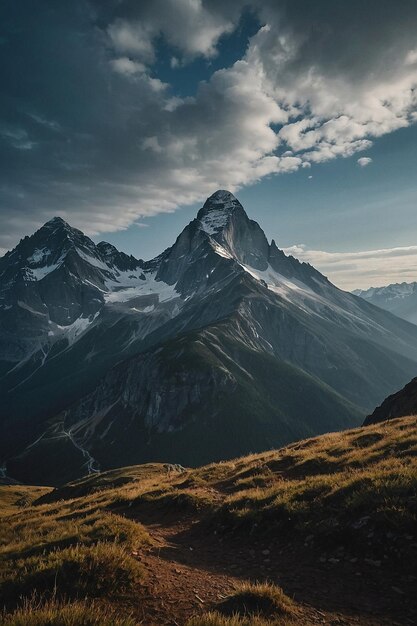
(177, 587)
(190, 571)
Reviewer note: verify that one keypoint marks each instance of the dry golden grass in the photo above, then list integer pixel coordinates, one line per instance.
(260, 600)
(100, 570)
(45, 528)
(323, 487)
(13, 497)
(73, 548)
(319, 486)
(325, 483)
(353, 489)
(54, 613)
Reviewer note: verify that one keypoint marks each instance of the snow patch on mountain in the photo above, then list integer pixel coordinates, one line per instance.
(146, 309)
(214, 221)
(127, 278)
(298, 294)
(76, 329)
(294, 290)
(38, 273)
(92, 260)
(218, 209)
(128, 286)
(39, 255)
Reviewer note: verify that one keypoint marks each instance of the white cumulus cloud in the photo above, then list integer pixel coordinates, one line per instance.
(364, 161)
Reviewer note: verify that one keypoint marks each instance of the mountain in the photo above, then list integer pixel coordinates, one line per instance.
(399, 404)
(52, 286)
(398, 298)
(219, 346)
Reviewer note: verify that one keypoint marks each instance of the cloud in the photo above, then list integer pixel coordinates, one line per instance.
(190, 26)
(411, 57)
(126, 66)
(17, 138)
(360, 270)
(133, 39)
(345, 95)
(364, 161)
(125, 144)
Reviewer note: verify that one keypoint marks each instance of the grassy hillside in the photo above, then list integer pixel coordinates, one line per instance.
(322, 530)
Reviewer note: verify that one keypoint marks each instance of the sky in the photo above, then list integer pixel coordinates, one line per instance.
(122, 116)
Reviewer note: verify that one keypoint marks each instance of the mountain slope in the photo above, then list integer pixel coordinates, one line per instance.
(156, 545)
(205, 407)
(399, 404)
(399, 298)
(207, 351)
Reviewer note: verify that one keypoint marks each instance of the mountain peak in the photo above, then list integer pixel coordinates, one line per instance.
(217, 210)
(56, 227)
(107, 248)
(221, 200)
(56, 221)
(55, 234)
(222, 196)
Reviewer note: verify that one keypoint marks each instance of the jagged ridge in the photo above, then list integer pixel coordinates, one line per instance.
(203, 352)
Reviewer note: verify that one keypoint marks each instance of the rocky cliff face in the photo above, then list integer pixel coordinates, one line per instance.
(219, 346)
(399, 404)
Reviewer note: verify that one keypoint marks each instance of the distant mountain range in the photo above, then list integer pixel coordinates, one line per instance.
(398, 298)
(220, 346)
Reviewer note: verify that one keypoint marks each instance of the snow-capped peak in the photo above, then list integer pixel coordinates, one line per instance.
(394, 290)
(224, 197)
(398, 298)
(56, 220)
(217, 209)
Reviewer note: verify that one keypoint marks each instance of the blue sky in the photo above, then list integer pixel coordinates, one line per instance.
(343, 207)
(122, 117)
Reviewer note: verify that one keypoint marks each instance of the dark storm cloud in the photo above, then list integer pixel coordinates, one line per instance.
(88, 131)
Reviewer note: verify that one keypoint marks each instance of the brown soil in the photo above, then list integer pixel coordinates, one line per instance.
(191, 569)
